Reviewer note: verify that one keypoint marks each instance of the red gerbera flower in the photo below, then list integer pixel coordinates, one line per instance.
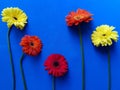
(75, 18)
(56, 65)
(31, 45)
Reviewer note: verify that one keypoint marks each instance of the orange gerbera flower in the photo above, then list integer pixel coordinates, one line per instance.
(75, 18)
(32, 45)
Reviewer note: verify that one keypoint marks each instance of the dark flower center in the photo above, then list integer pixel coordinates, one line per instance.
(31, 44)
(15, 18)
(104, 35)
(55, 64)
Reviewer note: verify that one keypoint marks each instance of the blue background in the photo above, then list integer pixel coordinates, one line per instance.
(46, 19)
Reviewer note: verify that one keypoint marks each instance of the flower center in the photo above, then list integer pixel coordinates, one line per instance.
(103, 34)
(55, 64)
(31, 44)
(78, 17)
(15, 18)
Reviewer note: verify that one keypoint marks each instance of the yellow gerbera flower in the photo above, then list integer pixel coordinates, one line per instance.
(104, 35)
(14, 16)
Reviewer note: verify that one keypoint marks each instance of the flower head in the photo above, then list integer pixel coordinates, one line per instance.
(104, 36)
(56, 65)
(14, 16)
(32, 45)
(75, 18)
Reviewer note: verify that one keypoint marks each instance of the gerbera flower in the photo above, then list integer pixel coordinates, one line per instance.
(75, 18)
(56, 65)
(32, 45)
(104, 35)
(14, 16)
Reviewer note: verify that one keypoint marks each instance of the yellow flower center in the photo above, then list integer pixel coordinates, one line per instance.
(77, 17)
(15, 18)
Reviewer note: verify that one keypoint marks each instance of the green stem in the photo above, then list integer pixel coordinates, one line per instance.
(109, 71)
(53, 83)
(11, 59)
(22, 72)
(83, 62)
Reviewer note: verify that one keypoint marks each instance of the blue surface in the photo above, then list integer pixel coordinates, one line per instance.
(47, 20)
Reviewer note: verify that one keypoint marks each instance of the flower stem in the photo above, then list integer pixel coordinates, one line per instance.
(83, 62)
(53, 83)
(22, 72)
(109, 71)
(11, 59)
